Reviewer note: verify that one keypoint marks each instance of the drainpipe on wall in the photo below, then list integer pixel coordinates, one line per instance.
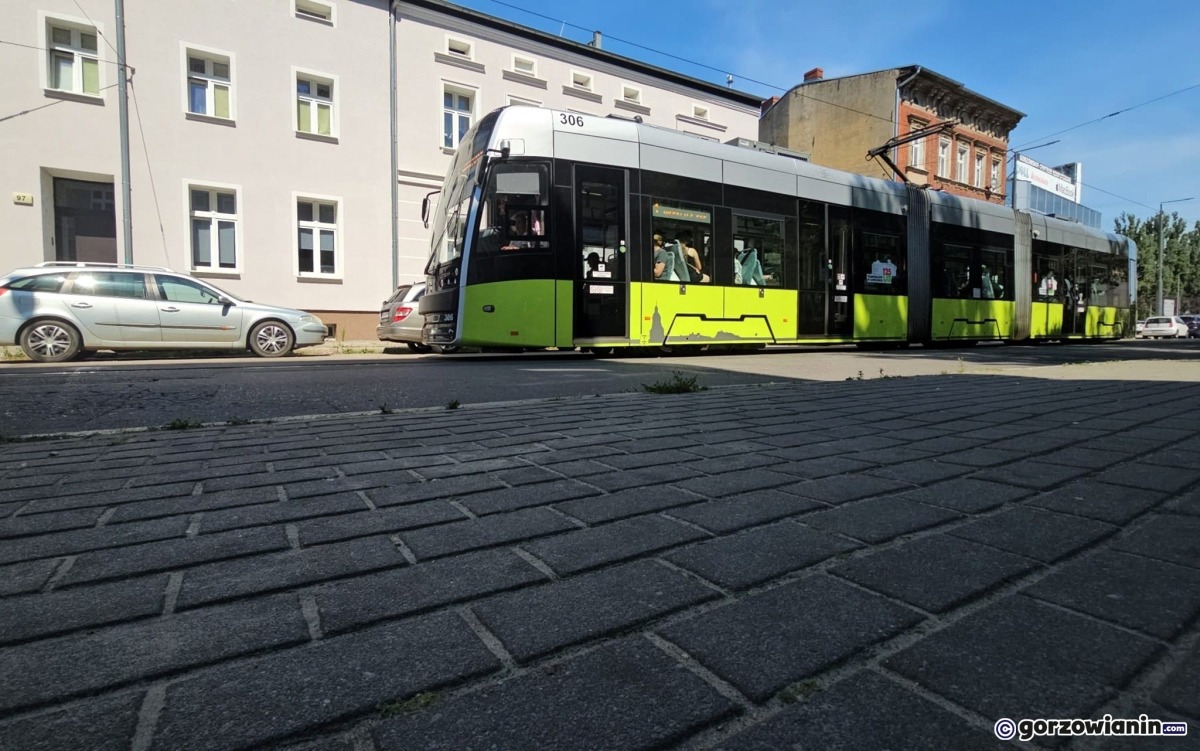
(395, 161)
(123, 115)
(896, 116)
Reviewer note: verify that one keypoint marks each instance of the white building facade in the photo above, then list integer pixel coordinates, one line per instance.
(260, 137)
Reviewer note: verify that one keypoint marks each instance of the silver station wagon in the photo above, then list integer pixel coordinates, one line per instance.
(58, 311)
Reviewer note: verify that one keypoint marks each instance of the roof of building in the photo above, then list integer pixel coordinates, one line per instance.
(581, 48)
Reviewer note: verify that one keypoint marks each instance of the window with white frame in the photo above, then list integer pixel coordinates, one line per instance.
(699, 112)
(315, 112)
(209, 85)
(317, 237)
(74, 63)
(526, 66)
(458, 107)
(314, 10)
(961, 164)
(631, 94)
(995, 178)
(944, 158)
(978, 169)
(581, 81)
(916, 149)
(214, 218)
(459, 48)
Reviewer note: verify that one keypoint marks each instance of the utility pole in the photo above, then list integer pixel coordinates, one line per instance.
(123, 114)
(1161, 247)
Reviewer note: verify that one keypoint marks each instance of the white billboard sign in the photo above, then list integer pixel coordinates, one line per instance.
(1047, 179)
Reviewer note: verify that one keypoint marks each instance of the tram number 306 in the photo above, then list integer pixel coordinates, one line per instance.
(575, 120)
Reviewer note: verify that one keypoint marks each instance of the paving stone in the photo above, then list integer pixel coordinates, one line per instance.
(935, 573)
(280, 511)
(775, 638)
(983, 456)
(1173, 538)
(101, 724)
(498, 529)
(1147, 477)
(880, 519)
(813, 469)
(321, 487)
(616, 480)
(263, 479)
(26, 577)
(45, 614)
(169, 554)
(919, 471)
(527, 475)
(843, 488)
(650, 459)
(190, 504)
(1041, 535)
(377, 462)
(748, 463)
(51, 670)
(286, 693)
(863, 711)
(588, 548)
(363, 523)
(94, 538)
(22, 526)
(965, 494)
(429, 490)
(745, 510)
(511, 499)
(626, 503)
(351, 603)
(294, 568)
(748, 558)
(626, 696)
(1098, 500)
(1181, 690)
(539, 620)
(1076, 456)
(1188, 503)
(1031, 473)
(560, 456)
(1022, 658)
(442, 471)
(1151, 596)
(727, 448)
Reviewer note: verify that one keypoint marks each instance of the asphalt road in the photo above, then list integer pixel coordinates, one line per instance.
(127, 392)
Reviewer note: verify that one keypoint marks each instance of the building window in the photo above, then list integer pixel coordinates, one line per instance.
(516, 100)
(581, 81)
(943, 169)
(631, 94)
(995, 180)
(209, 85)
(315, 110)
(526, 66)
(459, 48)
(961, 165)
(458, 106)
(916, 151)
(314, 10)
(214, 220)
(700, 113)
(74, 59)
(978, 169)
(317, 237)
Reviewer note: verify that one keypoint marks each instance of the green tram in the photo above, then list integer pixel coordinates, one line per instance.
(561, 230)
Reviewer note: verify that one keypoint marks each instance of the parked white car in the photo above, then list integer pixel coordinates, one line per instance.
(1162, 327)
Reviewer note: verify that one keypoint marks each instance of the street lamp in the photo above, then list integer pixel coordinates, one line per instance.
(1161, 246)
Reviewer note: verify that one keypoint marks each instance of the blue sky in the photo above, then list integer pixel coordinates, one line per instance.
(1062, 62)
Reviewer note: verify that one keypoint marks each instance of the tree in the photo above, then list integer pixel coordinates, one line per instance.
(1181, 260)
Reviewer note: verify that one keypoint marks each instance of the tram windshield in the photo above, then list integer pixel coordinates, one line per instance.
(462, 179)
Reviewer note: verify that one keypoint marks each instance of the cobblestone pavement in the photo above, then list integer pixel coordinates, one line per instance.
(894, 562)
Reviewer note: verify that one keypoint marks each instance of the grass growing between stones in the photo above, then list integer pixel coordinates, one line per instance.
(678, 383)
(423, 700)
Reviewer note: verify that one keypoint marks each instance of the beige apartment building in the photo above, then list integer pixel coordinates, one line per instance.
(260, 133)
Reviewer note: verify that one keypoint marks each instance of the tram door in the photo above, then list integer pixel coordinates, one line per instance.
(841, 302)
(601, 276)
(825, 287)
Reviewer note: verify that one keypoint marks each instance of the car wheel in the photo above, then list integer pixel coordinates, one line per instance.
(418, 348)
(448, 349)
(50, 341)
(271, 339)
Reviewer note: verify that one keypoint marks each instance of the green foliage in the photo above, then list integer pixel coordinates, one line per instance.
(1181, 260)
(182, 423)
(676, 384)
(453, 404)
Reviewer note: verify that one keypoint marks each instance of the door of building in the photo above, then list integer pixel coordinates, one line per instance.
(85, 221)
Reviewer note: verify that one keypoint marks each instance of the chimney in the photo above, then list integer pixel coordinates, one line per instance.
(597, 40)
(816, 74)
(766, 105)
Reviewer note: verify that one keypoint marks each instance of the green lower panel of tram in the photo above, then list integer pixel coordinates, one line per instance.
(701, 314)
(1099, 322)
(1108, 322)
(520, 313)
(972, 319)
(880, 317)
(1046, 320)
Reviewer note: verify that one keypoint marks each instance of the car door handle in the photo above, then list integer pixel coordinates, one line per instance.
(81, 305)
(171, 309)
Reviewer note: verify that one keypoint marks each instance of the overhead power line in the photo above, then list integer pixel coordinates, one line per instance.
(1113, 114)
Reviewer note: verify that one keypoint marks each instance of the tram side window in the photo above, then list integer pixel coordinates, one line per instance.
(1047, 279)
(880, 261)
(758, 250)
(994, 273)
(681, 241)
(1118, 283)
(953, 272)
(514, 211)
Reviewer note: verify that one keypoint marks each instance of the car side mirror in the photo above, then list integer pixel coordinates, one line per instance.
(225, 300)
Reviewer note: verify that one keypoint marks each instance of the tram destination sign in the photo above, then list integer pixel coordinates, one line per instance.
(685, 215)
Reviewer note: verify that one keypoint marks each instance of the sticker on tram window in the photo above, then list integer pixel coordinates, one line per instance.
(602, 274)
(600, 289)
(841, 298)
(565, 119)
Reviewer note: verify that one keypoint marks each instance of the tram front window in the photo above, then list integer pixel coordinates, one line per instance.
(515, 209)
